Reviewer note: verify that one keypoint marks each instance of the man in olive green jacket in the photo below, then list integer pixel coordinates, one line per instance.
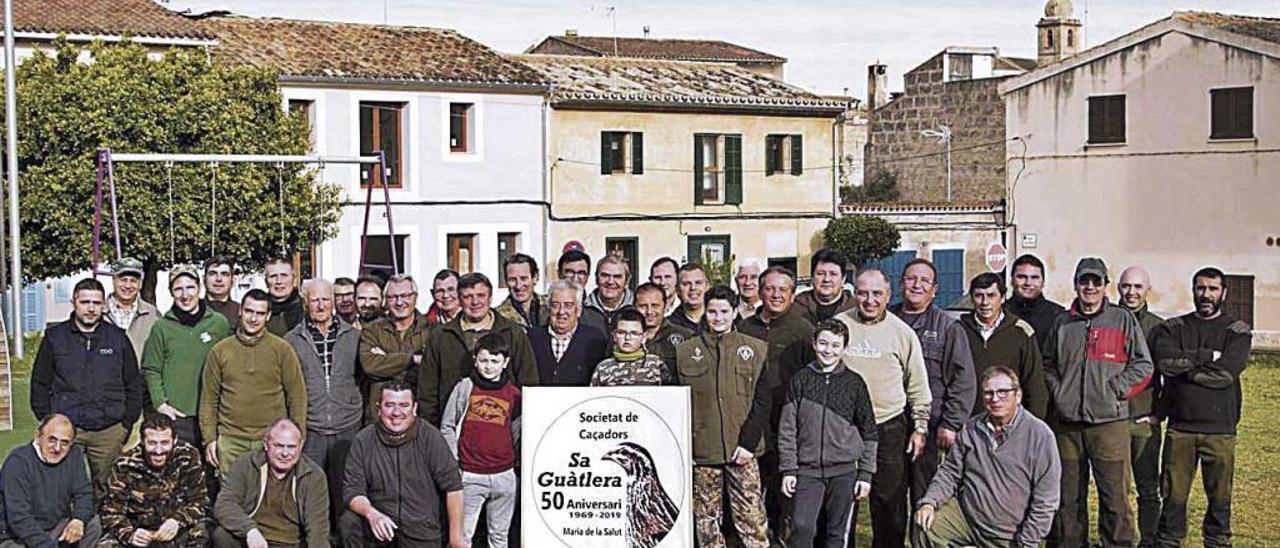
(448, 357)
(254, 504)
(523, 304)
(391, 347)
(731, 386)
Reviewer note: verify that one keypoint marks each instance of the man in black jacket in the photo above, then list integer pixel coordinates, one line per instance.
(1028, 301)
(998, 339)
(86, 369)
(1144, 423)
(286, 302)
(1201, 356)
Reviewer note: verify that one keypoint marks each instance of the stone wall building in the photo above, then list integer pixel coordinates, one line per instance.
(956, 89)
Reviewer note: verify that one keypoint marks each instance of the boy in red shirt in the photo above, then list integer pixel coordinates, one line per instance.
(481, 422)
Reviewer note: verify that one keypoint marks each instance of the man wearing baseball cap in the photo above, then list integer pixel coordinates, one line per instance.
(1095, 359)
(124, 309)
(173, 359)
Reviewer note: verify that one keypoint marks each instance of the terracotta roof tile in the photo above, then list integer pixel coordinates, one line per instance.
(326, 50)
(655, 48)
(655, 82)
(970, 206)
(140, 18)
(1262, 28)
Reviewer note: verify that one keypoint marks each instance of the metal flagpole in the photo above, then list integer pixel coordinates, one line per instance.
(11, 116)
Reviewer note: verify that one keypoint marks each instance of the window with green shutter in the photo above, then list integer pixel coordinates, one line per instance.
(717, 169)
(784, 154)
(797, 155)
(733, 169)
(621, 152)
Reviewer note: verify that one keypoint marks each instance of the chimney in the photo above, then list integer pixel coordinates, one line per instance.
(570, 32)
(877, 86)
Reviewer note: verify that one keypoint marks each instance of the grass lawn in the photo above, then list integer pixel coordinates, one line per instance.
(1255, 521)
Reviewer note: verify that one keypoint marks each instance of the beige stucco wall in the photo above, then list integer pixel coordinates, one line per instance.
(666, 187)
(578, 188)
(761, 239)
(1168, 199)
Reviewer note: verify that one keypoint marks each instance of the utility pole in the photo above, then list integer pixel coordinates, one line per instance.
(11, 117)
(943, 134)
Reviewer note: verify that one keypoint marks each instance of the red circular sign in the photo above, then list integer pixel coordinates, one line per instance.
(997, 257)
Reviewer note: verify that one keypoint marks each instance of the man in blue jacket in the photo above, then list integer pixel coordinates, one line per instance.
(86, 369)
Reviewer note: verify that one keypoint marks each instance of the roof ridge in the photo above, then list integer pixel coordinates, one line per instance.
(622, 59)
(577, 40)
(329, 23)
(1178, 13)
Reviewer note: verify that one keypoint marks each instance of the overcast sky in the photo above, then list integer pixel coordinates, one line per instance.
(828, 43)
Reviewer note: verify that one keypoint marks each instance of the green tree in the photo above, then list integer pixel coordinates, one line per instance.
(861, 238)
(181, 102)
(881, 186)
(719, 272)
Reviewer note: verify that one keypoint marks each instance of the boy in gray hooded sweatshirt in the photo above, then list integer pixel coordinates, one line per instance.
(827, 441)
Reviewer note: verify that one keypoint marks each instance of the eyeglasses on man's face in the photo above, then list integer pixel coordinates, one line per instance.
(999, 394)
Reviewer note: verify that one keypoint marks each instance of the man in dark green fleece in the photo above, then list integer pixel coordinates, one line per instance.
(790, 338)
(249, 380)
(286, 303)
(174, 356)
(274, 496)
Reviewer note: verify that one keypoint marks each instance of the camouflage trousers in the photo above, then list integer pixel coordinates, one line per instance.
(746, 504)
(196, 536)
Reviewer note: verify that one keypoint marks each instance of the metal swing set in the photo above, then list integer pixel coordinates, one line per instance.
(106, 188)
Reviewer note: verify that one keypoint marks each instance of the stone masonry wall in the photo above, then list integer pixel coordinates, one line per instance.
(972, 109)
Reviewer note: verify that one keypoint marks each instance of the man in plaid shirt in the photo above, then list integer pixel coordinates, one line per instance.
(327, 348)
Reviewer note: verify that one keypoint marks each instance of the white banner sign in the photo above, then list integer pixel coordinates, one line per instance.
(606, 467)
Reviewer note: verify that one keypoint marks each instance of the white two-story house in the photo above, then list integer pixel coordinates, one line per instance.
(461, 126)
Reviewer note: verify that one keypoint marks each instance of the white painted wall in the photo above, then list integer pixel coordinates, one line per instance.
(1169, 198)
(506, 164)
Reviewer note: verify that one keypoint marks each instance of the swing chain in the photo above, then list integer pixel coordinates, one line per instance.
(173, 246)
(213, 208)
(280, 192)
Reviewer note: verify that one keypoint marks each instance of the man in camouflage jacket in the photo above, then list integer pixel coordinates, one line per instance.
(157, 494)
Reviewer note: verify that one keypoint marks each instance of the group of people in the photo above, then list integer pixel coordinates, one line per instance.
(337, 413)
